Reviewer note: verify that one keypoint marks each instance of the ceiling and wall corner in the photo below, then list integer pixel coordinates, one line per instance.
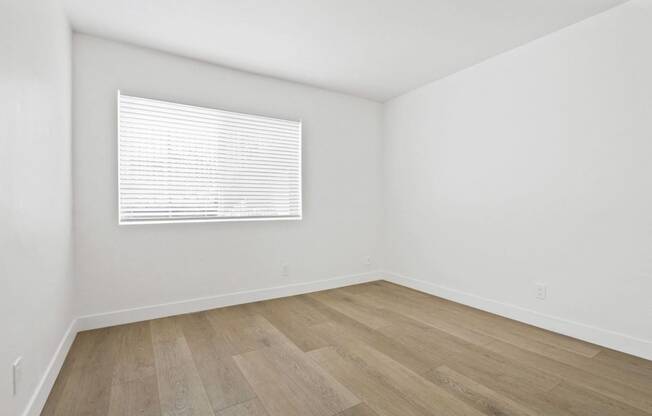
(376, 49)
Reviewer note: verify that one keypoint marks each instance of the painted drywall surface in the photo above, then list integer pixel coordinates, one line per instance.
(36, 283)
(534, 166)
(139, 265)
(368, 48)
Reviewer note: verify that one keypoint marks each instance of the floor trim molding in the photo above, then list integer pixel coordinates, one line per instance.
(125, 316)
(101, 320)
(606, 338)
(37, 401)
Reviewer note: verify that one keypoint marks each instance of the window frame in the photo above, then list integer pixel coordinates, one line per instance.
(122, 222)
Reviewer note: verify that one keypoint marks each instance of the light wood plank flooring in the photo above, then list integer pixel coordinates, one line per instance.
(375, 349)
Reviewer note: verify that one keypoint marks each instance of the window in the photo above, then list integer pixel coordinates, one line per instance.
(179, 163)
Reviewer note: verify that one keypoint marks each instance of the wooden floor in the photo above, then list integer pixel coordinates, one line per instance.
(365, 350)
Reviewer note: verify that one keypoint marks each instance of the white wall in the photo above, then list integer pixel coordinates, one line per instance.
(534, 166)
(36, 283)
(138, 265)
(530, 167)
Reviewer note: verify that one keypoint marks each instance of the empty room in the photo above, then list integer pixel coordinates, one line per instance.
(326, 208)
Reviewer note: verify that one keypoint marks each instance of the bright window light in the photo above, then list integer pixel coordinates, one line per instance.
(180, 163)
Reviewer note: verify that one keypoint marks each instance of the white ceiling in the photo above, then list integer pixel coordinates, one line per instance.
(376, 49)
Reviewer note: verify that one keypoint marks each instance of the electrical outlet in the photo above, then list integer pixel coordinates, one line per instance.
(541, 291)
(285, 269)
(16, 371)
(367, 260)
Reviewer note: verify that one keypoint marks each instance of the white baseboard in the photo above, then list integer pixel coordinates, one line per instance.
(37, 401)
(210, 302)
(606, 338)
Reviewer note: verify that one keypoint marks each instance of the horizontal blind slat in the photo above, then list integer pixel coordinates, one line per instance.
(179, 118)
(218, 143)
(221, 136)
(227, 210)
(151, 103)
(191, 190)
(165, 175)
(134, 159)
(195, 154)
(149, 123)
(142, 166)
(143, 179)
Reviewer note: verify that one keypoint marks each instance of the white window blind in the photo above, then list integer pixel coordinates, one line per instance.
(180, 163)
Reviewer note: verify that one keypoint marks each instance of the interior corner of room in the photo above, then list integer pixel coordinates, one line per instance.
(510, 179)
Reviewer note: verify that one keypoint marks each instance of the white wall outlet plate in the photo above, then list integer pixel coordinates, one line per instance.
(541, 291)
